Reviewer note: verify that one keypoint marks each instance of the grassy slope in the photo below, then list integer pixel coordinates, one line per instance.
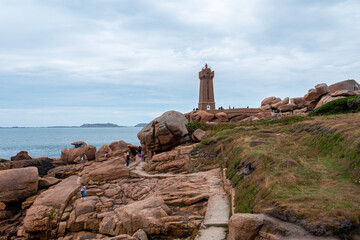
(306, 169)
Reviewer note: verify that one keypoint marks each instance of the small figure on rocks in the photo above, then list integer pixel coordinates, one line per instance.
(138, 153)
(127, 159)
(142, 155)
(82, 191)
(356, 87)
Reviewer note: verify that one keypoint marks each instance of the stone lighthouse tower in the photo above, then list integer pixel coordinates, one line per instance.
(206, 95)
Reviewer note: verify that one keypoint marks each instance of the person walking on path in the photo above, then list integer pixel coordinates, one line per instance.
(127, 159)
(82, 191)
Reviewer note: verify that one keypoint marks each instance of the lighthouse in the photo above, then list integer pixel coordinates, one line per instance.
(206, 94)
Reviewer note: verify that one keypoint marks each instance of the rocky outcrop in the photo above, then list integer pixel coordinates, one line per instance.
(118, 148)
(152, 215)
(115, 149)
(245, 226)
(43, 164)
(146, 214)
(106, 171)
(66, 171)
(170, 161)
(199, 116)
(72, 155)
(343, 85)
(18, 184)
(119, 202)
(279, 104)
(48, 181)
(317, 92)
(346, 93)
(49, 205)
(270, 101)
(288, 107)
(164, 132)
(103, 153)
(22, 155)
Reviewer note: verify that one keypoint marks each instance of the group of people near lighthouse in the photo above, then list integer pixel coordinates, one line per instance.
(139, 156)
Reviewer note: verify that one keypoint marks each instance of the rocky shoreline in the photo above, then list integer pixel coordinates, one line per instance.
(172, 195)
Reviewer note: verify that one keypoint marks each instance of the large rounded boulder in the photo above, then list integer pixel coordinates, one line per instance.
(72, 155)
(343, 85)
(115, 149)
(270, 100)
(315, 93)
(164, 132)
(199, 116)
(18, 184)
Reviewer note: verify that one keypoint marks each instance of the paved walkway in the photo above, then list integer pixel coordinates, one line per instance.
(216, 220)
(215, 224)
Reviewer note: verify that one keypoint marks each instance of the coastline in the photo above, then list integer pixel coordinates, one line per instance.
(48, 142)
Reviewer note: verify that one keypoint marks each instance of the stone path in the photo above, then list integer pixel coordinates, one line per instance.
(215, 224)
(216, 220)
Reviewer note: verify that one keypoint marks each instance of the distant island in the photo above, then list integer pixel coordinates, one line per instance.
(91, 125)
(86, 125)
(141, 125)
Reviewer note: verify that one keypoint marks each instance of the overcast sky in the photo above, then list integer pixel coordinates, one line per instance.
(87, 61)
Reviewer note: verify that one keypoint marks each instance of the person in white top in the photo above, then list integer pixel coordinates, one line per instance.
(82, 191)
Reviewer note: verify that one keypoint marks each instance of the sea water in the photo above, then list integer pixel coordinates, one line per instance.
(48, 142)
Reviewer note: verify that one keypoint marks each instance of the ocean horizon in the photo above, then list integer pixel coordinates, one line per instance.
(49, 141)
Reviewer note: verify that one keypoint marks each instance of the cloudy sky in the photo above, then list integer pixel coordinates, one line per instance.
(125, 61)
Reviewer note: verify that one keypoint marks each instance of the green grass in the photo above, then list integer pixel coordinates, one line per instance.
(245, 197)
(53, 213)
(307, 165)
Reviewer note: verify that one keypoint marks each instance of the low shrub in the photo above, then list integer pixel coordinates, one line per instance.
(338, 106)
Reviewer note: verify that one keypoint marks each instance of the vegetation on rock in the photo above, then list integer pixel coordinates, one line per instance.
(338, 106)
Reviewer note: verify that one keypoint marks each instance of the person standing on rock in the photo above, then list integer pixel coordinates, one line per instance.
(138, 153)
(127, 159)
(142, 155)
(82, 191)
